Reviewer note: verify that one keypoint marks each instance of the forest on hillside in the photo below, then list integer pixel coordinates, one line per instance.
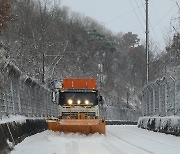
(68, 44)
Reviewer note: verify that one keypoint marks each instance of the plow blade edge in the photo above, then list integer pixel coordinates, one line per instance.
(84, 126)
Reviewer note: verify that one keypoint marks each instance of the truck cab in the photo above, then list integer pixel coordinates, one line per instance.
(78, 99)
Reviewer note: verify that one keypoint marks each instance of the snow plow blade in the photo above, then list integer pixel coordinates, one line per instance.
(84, 126)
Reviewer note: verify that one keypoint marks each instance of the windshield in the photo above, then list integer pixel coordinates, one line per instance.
(78, 98)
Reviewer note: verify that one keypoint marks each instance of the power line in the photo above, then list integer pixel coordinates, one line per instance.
(157, 40)
(154, 33)
(147, 42)
(149, 22)
(136, 15)
(140, 11)
(159, 20)
(154, 42)
(163, 17)
(151, 27)
(124, 14)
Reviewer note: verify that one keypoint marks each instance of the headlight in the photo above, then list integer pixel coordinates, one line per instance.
(86, 102)
(70, 101)
(78, 101)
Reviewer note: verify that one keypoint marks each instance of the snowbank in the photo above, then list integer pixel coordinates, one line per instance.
(169, 125)
(11, 118)
(19, 118)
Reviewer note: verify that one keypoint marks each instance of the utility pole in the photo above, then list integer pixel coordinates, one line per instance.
(100, 67)
(147, 44)
(43, 74)
(127, 97)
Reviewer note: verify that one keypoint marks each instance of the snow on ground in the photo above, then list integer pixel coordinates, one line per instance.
(11, 118)
(119, 140)
(17, 118)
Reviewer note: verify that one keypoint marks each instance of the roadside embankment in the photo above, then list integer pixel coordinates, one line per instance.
(12, 133)
(168, 125)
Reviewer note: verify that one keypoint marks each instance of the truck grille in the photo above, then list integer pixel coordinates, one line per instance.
(74, 115)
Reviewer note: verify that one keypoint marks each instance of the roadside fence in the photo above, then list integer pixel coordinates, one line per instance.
(24, 96)
(162, 97)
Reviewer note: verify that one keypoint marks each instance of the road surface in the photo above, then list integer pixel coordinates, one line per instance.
(119, 140)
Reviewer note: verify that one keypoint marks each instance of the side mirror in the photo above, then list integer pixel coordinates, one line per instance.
(54, 97)
(100, 99)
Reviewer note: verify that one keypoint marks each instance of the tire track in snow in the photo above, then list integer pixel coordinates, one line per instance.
(112, 148)
(72, 148)
(158, 142)
(132, 144)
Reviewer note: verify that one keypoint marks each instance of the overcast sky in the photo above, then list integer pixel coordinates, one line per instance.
(129, 15)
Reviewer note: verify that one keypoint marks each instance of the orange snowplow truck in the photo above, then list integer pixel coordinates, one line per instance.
(78, 108)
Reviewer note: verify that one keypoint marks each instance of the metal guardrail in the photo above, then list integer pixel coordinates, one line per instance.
(120, 122)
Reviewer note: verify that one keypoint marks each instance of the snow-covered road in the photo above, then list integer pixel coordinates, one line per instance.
(119, 140)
